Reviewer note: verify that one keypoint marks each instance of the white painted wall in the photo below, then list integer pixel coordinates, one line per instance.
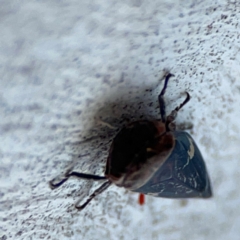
(64, 64)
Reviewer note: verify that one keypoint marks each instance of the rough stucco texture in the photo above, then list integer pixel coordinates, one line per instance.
(65, 65)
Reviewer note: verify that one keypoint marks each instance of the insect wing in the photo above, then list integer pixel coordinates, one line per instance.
(183, 175)
(191, 169)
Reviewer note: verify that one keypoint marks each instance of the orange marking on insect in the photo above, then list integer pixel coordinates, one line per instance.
(141, 199)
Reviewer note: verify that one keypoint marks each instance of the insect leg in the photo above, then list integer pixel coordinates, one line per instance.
(183, 103)
(161, 98)
(173, 114)
(87, 176)
(68, 174)
(102, 188)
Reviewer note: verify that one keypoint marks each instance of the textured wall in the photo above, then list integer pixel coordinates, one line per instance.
(66, 64)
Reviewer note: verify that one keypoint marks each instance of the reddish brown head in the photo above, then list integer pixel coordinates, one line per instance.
(136, 153)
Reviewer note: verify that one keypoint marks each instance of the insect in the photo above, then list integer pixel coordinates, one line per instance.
(153, 158)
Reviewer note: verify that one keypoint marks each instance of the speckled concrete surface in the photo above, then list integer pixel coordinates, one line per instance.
(66, 64)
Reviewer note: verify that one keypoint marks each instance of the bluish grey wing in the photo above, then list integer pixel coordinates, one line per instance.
(183, 175)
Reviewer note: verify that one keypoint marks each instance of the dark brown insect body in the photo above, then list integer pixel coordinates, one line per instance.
(151, 157)
(137, 152)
